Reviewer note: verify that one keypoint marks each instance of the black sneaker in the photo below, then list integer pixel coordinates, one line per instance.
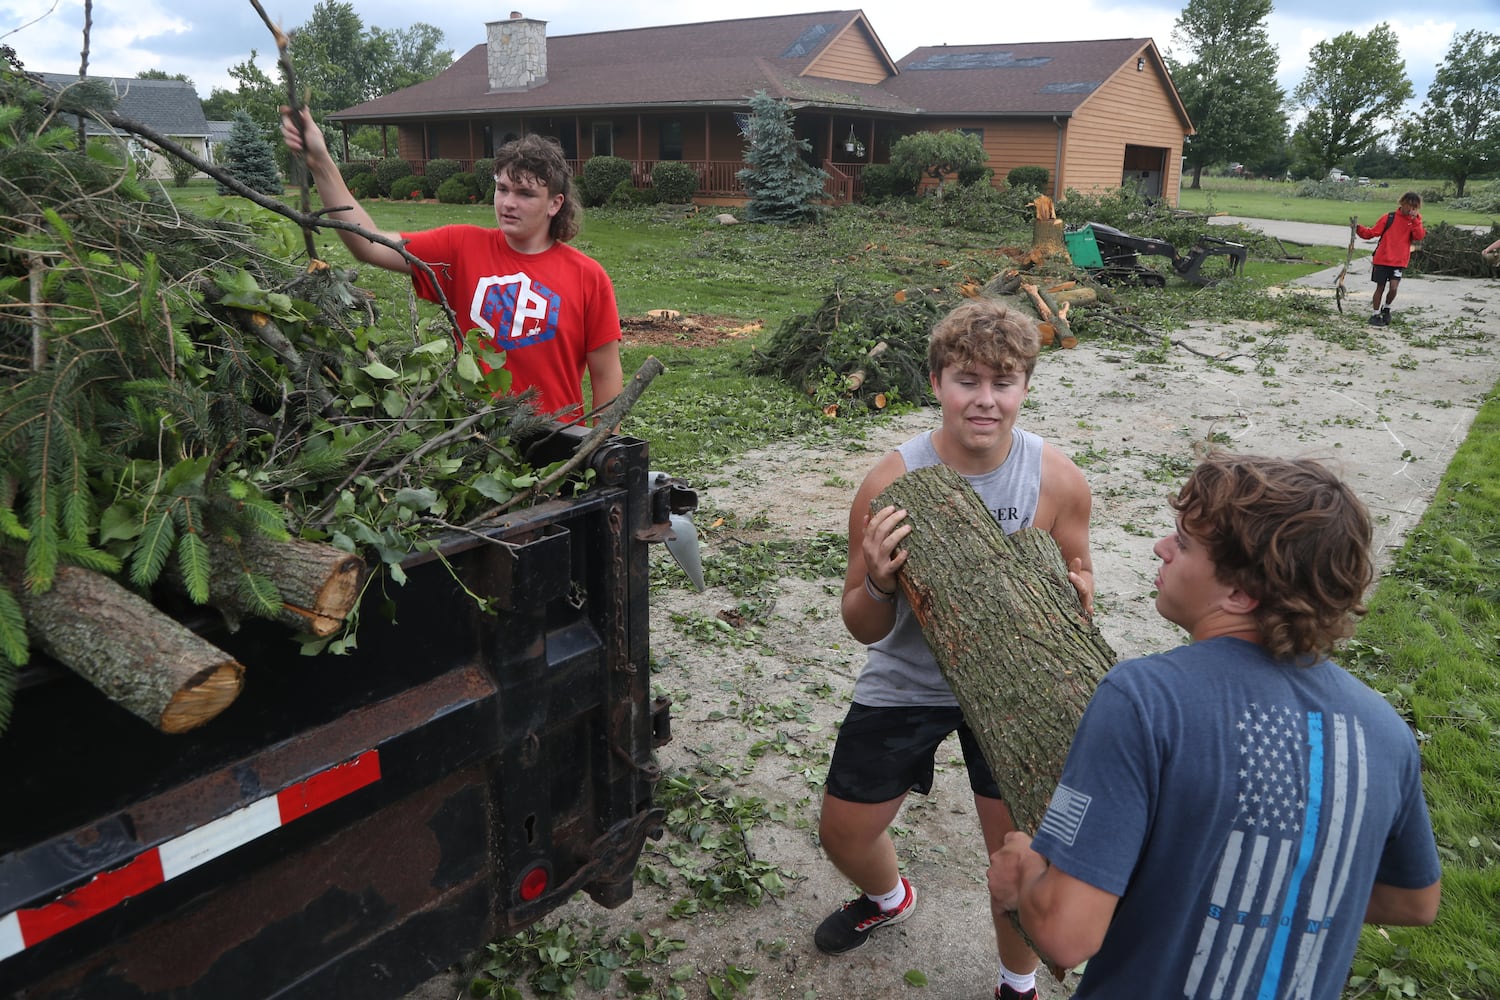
(1385, 316)
(1006, 993)
(850, 925)
(1376, 320)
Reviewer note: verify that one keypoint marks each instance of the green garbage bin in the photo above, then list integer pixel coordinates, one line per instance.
(1082, 247)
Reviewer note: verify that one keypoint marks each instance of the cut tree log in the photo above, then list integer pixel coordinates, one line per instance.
(1008, 632)
(140, 658)
(1052, 313)
(319, 584)
(856, 380)
(1006, 628)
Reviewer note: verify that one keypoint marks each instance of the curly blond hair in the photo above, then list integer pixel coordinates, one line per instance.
(987, 332)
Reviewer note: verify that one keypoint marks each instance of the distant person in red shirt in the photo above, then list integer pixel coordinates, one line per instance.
(548, 308)
(1396, 231)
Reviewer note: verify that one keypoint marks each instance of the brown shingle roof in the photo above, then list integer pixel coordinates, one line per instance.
(1031, 78)
(692, 65)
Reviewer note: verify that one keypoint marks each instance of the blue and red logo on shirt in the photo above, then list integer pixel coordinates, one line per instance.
(515, 311)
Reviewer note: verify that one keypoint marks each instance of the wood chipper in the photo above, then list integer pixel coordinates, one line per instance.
(1115, 256)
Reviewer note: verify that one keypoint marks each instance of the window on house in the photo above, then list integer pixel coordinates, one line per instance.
(977, 133)
(670, 141)
(604, 139)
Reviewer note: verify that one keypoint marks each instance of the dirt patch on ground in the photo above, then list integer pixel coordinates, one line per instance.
(759, 704)
(667, 326)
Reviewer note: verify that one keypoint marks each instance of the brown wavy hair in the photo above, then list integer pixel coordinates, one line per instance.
(1289, 533)
(987, 332)
(541, 158)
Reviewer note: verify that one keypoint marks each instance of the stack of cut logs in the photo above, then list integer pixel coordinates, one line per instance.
(153, 665)
(1049, 300)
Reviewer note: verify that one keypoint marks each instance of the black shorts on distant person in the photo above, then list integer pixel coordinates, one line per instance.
(883, 753)
(1381, 273)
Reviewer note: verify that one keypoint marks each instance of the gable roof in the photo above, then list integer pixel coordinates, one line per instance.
(169, 106)
(1029, 78)
(722, 63)
(711, 62)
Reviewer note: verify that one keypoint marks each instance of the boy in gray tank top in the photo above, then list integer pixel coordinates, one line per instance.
(980, 359)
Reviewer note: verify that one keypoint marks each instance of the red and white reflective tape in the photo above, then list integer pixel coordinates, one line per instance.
(26, 927)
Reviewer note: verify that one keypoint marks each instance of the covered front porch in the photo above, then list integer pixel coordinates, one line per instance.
(710, 141)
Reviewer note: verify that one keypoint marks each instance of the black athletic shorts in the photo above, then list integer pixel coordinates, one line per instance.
(883, 753)
(1381, 273)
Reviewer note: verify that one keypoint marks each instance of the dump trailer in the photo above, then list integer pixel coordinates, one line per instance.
(353, 824)
(1115, 256)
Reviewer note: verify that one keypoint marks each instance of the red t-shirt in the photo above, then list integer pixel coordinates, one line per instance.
(545, 311)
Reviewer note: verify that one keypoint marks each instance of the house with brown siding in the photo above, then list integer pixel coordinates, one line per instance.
(1096, 114)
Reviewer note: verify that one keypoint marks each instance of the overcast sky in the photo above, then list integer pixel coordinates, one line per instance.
(203, 38)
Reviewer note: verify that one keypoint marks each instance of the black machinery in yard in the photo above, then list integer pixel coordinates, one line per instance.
(1115, 256)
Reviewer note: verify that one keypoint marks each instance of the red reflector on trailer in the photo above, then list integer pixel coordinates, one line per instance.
(534, 883)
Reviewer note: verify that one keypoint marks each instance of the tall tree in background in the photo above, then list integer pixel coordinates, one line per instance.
(161, 74)
(339, 63)
(1352, 93)
(1228, 82)
(1457, 132)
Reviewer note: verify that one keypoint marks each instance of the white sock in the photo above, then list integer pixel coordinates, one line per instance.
(1021, 984)
(889, 900)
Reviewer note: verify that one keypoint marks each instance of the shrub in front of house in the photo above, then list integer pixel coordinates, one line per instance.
(601, 176)
(972, 174)
(182, 171)
(626, 194)
(350, 169)
(484, 177)
(881, 181)
(460, 189)
(1034, 178)
(406, 188)
(440, 170)
(674, 182)
(363, 185)
(389, 170)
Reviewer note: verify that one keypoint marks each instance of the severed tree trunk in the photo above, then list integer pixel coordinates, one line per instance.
(319, 584)
(142, 659)
(1005, 626)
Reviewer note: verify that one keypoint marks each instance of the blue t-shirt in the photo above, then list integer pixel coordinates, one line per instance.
(1242, 807)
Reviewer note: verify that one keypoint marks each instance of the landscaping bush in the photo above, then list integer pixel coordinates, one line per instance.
(460, 189)
(626, 194)
(350, 169)
(975, 174)
(601, 177)
(881, 181)
(364, 185)
(674, 182)
(407, 188)
(440, 170)
(484, 177)
(1034, 178)
(389, 170)
(182, 171)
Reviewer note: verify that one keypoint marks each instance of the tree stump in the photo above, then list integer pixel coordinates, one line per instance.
(142, 659)
(1006, 628)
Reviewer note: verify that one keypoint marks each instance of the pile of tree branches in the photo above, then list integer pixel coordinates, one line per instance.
(861, 346)
(1453, 251)
(168, 385)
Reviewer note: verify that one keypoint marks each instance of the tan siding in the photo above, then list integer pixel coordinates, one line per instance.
(849, 57)
(1132, 108)
(1010, 144)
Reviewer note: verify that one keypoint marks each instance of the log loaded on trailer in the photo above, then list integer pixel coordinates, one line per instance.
(351, 825)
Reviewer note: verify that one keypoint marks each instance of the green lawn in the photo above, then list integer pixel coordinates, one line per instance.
(1277, 200)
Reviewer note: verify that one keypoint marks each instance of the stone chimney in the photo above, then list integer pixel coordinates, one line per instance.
(516, 52)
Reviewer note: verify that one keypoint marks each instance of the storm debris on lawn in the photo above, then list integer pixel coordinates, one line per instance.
(1454, 251)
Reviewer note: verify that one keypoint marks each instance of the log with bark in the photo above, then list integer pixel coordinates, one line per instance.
(139, 657)
(319, 584)
(1007, 630)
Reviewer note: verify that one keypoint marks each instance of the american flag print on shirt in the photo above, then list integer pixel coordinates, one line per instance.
(1302, 780)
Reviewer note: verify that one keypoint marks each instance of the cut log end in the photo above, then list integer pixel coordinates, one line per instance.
(341, 592)
(202, 699)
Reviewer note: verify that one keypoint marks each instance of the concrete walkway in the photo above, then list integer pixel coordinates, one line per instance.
(1317, 233)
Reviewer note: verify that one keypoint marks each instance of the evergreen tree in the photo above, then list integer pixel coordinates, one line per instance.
(1228, 84)
(781, 185)
(1354, 86)
(1457, 132)
(249, 158)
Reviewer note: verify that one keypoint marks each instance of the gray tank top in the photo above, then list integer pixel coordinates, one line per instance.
(899, 669)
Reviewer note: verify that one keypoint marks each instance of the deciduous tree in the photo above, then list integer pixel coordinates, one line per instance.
(1352, 93)
(1457, 132)
(1227, 82)
(936, 155)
